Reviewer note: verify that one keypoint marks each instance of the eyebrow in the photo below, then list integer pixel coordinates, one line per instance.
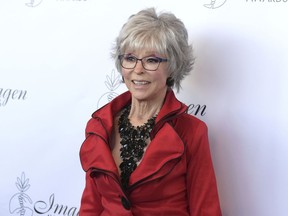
(151, 55)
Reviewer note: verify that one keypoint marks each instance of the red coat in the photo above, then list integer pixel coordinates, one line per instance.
(175, 176)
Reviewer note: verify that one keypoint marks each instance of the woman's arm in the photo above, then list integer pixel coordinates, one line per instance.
(201, 181)
(91, 199)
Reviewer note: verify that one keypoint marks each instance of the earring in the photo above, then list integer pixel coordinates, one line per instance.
(170, 82)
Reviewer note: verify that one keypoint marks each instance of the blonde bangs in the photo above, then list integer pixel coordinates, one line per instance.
(148, 41)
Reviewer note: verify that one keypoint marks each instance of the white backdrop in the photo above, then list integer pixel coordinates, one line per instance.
(55, 70)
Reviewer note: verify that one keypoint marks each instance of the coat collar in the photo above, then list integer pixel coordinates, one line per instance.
(171, 106)
(165, 146)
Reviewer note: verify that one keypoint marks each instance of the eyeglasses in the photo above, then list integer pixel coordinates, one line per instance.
(150, 63)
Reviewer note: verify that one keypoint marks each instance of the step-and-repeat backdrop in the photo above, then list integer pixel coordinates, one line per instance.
(56, 69)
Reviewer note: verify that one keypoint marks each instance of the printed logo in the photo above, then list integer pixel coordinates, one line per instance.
(112, 83)
(21, 203)
(9, 94)
(34, 3)
(262, 1)
(215, 4)
(195, 109)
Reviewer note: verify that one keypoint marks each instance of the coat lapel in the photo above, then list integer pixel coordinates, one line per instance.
(160, 157)
(95, 153)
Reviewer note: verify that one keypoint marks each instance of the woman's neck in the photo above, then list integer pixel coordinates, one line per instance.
(141, 111)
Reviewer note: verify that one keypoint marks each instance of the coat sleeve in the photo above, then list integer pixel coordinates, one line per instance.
(91, 199)
(201, 181)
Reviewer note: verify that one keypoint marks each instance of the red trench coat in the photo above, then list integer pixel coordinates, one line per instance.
(175, 176)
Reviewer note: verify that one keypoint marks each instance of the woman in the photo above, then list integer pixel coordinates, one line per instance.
(143, 154)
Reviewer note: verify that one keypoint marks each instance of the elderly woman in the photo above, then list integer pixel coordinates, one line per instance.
(143, 154)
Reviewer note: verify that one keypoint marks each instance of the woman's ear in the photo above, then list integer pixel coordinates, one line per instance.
(170, 81)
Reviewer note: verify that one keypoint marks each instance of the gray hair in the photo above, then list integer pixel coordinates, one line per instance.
(163, 33)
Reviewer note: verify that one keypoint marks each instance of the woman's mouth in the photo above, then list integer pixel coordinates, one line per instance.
(140, 82)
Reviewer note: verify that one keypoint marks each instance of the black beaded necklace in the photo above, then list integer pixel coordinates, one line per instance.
(133, 143)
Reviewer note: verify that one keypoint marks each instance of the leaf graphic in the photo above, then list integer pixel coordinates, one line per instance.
(112, 82)
(26, 183)
(23, 177)
(18, 186)
(19, 181)
(23, 183)
(26, 188)
(108, 85)
(117, 83)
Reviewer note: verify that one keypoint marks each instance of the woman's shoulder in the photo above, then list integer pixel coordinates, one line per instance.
(191, 121)
(188, 126)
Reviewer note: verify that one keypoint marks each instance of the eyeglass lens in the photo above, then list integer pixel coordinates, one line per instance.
(148, 63)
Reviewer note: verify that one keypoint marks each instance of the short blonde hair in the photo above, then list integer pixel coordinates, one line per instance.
(163, 33)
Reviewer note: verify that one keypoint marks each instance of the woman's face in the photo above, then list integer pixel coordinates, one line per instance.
(143, 84)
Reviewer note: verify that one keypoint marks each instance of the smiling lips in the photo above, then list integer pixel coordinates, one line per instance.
(140, 82)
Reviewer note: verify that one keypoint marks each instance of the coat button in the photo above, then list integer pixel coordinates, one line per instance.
(126, 204)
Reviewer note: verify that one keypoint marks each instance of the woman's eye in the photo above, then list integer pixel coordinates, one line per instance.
(152, 60)
(130, 59)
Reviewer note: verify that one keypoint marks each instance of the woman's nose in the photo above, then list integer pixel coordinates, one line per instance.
(139, 67)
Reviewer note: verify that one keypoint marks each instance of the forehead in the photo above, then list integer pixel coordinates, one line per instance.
(144, 45)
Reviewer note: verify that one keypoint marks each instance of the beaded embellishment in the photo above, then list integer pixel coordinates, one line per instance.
(133, 143)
